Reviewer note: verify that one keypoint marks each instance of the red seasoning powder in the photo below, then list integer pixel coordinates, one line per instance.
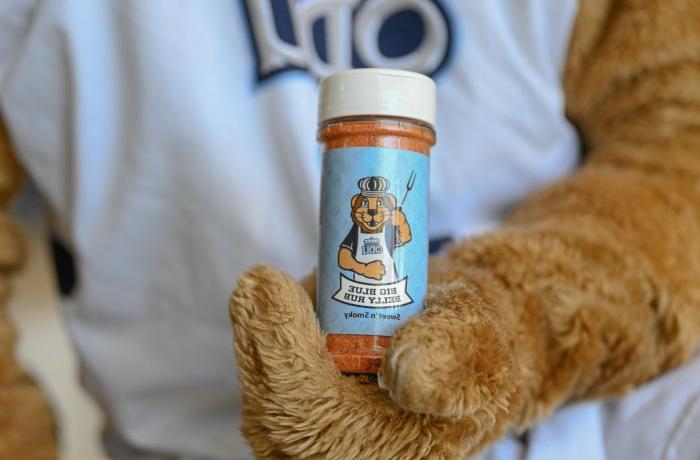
(373, 255)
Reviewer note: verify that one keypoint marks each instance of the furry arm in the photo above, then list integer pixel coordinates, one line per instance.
(594, 281)
(26, 424)
(591, 288)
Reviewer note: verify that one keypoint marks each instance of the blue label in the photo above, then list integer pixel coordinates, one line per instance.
(373, 264)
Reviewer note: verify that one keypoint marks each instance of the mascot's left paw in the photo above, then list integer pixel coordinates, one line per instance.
(454, 360)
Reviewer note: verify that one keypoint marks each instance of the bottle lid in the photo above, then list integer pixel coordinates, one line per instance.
(386, 92)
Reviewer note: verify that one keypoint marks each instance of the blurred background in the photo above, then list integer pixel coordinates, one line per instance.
(44, 348)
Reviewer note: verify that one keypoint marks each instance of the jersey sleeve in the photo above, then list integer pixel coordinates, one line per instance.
(396, 237)
(15, 21)
(350, 240)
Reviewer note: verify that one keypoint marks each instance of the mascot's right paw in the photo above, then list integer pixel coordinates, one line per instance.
(447, 401)
(375, 270)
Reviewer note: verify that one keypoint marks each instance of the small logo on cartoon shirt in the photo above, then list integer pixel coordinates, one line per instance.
(372, 246)
(325, 36)
(379, 227)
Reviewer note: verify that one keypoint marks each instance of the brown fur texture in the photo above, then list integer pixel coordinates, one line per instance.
(27, 428)
(591, 288)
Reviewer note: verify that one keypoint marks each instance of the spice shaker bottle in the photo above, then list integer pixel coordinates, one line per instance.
(376, 128)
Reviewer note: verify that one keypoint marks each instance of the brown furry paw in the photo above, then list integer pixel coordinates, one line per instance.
(296, 404)
(453, 360)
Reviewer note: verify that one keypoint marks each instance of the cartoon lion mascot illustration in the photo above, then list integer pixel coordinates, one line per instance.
(378, 228)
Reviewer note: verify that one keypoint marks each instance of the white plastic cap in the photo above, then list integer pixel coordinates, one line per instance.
(385, 92)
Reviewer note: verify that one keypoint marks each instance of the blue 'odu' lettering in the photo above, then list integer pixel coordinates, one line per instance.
(324, 36)
(372, 246)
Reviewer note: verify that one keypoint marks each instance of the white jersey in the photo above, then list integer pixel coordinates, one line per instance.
(175, 144)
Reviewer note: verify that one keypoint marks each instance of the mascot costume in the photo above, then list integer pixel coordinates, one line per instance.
(589, 289)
